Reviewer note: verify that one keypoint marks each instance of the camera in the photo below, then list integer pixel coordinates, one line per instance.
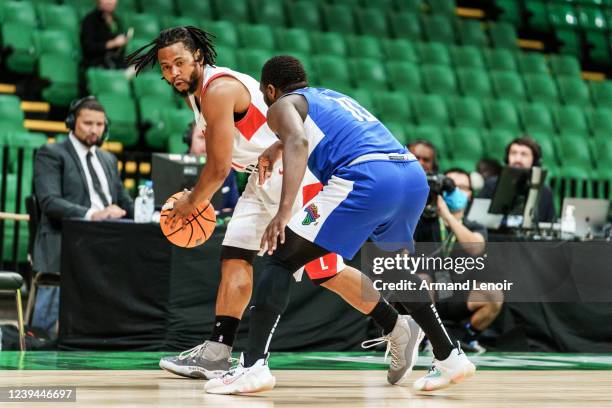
(438, 183)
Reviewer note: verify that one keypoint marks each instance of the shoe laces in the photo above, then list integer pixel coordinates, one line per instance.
(193, 352)
(236, 366)
(391, 348)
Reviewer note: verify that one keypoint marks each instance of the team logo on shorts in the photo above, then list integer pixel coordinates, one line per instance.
(312, 214)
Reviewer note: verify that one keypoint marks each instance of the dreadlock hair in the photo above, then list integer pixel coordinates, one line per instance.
(193, 38)
(285, 73)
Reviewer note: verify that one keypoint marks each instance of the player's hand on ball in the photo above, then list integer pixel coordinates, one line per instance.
(182, 209)
(275, 232)
(267, 159)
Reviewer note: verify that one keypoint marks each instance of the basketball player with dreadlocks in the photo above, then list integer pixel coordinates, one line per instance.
(371, 183)
(230, 106)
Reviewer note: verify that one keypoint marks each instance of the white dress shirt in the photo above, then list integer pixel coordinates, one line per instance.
(82, 150)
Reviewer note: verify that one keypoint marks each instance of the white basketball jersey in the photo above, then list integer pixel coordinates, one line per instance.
(252, 134)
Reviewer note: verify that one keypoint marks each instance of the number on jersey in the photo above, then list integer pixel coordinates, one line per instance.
(359, 112)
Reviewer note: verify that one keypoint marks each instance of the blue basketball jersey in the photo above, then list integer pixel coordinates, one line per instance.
(339, 130)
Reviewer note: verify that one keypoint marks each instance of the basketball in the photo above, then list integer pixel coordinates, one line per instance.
(200, 225)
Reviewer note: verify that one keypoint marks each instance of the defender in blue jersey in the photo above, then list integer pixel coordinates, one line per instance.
(372, 188)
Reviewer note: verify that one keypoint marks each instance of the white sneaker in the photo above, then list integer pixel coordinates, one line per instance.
(241, 379)
(454, 369)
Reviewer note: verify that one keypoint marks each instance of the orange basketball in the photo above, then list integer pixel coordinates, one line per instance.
(200, 225)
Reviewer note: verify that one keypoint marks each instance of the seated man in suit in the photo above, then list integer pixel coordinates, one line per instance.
(72, 179)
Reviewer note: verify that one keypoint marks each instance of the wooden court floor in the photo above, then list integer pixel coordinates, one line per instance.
(322, 388)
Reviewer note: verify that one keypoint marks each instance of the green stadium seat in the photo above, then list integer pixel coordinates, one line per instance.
(257, 36)
(236, 11)
(169, 21)
(304, 14)
(122, 113)
(547, 145)
(538, 14)
(465, 145)
(466, 112)
(573, 90)
(251, 61)
(11, 115)
(123, 6)
(331, 71)
(495, 142)
(438, 28)
(63, 75)
(107, 81)
(135, 44)
(151, 108)
(405, 25)
(145, 26)
(532, 63)
(508, 85)
(592, 18)
(190, 8)
(510, 10)
(371, 21)
(498, 59)
(293, 40)
(399, 50)
(404, 77)
(501, 114)
(599, 46)
(535, 117)
(433, 53)
(433, 134)
(565, 65)
(541, 88)
(398, 130)
(602, 155)
(570, 119)
(414, 6)
(368, 73)
(430, 110)
(474, 82)
(338, 18)
(392, 107)
(601, 92)
(59, 17)
(471, 32)
(447, 7)
(439, 79)
(22, 58)
(575, 157)
(364, 98)
(54, 42)
(362, 46)
(503, 35)
(348, 3)
(20, 12)
(160, 7)
(562, 15)
(225, 33)
(384, 5)
(170, 127)
(466, 56)
(600, 121)
(569, 42)
(269, 12)
(329, 44)
(149, 84)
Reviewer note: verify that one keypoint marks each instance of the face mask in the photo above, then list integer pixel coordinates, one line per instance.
(456, 201)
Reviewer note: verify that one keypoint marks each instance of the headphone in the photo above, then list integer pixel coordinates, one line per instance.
(535, 148)
(72, 113)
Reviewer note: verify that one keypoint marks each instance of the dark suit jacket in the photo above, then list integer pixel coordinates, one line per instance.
(61, 190)
(546, 205)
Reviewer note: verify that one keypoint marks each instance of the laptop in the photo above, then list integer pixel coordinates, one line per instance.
(479, 212)
(590, 214)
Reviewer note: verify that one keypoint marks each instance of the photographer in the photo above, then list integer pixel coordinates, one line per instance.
(443, 223)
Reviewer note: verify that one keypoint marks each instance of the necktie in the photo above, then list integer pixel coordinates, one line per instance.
(96, 181)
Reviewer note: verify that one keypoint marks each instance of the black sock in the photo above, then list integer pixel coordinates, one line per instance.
(385, 316)
(262, 326)
(225, 330)
(427, 317)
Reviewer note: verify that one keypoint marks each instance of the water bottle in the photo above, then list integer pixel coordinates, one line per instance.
(144, 205)
(568, 223)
